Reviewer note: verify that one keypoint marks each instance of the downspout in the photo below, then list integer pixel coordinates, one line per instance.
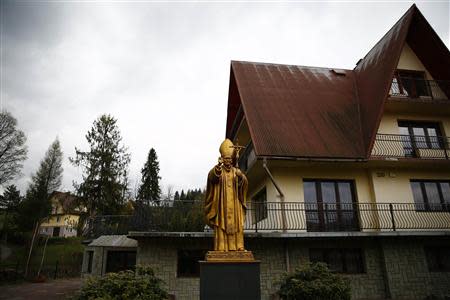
(283, 211)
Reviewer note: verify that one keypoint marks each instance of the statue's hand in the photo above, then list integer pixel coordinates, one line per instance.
(239, 173)
(218, 169)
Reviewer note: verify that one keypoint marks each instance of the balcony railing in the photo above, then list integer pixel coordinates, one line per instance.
(414, 88)
(187, 216)
(407, 146)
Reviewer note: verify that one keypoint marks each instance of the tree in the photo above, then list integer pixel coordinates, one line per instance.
(150, 189)
(104, 185)
(13, 150)
(9, 202)
(47, 179)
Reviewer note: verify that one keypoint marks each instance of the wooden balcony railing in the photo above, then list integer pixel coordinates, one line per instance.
(187, 216)
(414, 88)
(407, 146)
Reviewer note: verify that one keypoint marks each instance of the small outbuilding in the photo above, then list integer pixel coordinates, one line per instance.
(109, 253)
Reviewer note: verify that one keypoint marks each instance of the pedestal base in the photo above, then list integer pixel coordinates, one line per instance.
(229, 256)
(230, 280)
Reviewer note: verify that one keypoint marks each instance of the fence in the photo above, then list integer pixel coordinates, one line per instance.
(187, 216)
(416, 146)
(15, 271)
(415, 88)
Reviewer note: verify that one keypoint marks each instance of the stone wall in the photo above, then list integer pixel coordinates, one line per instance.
(393, 266)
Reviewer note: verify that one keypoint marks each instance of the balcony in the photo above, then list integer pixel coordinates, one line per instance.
(411, 146)
(187, 216)
(420, 89)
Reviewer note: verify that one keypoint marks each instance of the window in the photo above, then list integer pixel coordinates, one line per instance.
(187, 265)
(330, 205)
(117, 261)
(56, 231)
(438, 259)
(412, 83)
(58, 218)
(420, 135)
(90, 255)
(259, 202)
(431, 195)
(341, 260)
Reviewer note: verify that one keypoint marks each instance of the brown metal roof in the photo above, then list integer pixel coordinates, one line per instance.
(297, 111)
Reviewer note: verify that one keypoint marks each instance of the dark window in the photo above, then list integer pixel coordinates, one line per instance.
(420, 135)
(438, 259)
(341, 260)
(187, 265)
(90, 255)
(330, 205)
(120, 261)
(260, 206)
(56, 231)
(412, 83)
(430, 195)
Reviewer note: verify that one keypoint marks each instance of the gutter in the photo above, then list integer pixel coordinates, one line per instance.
(283, 212)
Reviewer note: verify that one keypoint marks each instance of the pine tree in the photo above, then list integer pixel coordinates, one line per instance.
(36, 205)
(9, 202)
(47, 179)
(177, 196)
(182, 195)
(150, 189)
(104, 185)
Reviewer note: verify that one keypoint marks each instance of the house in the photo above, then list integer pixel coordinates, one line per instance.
(348, 167)
(65, 215)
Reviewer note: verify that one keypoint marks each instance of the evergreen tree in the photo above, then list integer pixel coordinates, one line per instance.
(177, 196)
(9, 202)
(47, 179)
(150, 189)
(182, 196)
(104, 185)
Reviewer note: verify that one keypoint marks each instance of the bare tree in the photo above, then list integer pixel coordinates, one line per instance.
(13, 150)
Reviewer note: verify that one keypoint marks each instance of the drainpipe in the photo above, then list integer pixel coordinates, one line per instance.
(283, 211)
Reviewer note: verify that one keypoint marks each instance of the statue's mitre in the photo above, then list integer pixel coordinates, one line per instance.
(226, 148)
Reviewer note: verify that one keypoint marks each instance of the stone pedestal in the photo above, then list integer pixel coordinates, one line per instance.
(230, 277)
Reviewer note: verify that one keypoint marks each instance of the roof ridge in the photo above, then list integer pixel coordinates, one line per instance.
(385, 34)
(277, 64)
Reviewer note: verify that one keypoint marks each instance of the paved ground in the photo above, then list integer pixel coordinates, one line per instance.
(51, 290)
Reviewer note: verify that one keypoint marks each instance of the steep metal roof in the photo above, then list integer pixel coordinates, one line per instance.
(297, 111)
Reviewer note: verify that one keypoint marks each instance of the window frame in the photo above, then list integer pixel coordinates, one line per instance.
(439, 253)
(259, 206)
(414, 76)
(325, 253)
(425, 125)
(199, 255)
(445, 206)
(320, 203)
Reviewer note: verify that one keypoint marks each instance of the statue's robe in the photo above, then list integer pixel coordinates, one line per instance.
(225, 208)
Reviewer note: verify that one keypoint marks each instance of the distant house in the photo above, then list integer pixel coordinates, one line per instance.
(65, 215)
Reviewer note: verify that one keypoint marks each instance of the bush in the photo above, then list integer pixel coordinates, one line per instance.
(139, 285)
(314, 282)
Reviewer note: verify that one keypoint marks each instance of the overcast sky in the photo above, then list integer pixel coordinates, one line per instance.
(162, 69)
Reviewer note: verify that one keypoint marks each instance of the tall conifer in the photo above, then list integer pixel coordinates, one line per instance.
(150, 191)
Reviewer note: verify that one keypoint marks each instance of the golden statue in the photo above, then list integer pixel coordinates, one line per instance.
(225, 206)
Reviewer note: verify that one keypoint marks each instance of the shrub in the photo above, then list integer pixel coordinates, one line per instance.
(139, 285)
(314, 282)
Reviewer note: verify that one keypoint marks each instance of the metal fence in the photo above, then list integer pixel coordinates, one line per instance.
(187, 216)
(15, 271)
(415, 88)
(407, 146)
